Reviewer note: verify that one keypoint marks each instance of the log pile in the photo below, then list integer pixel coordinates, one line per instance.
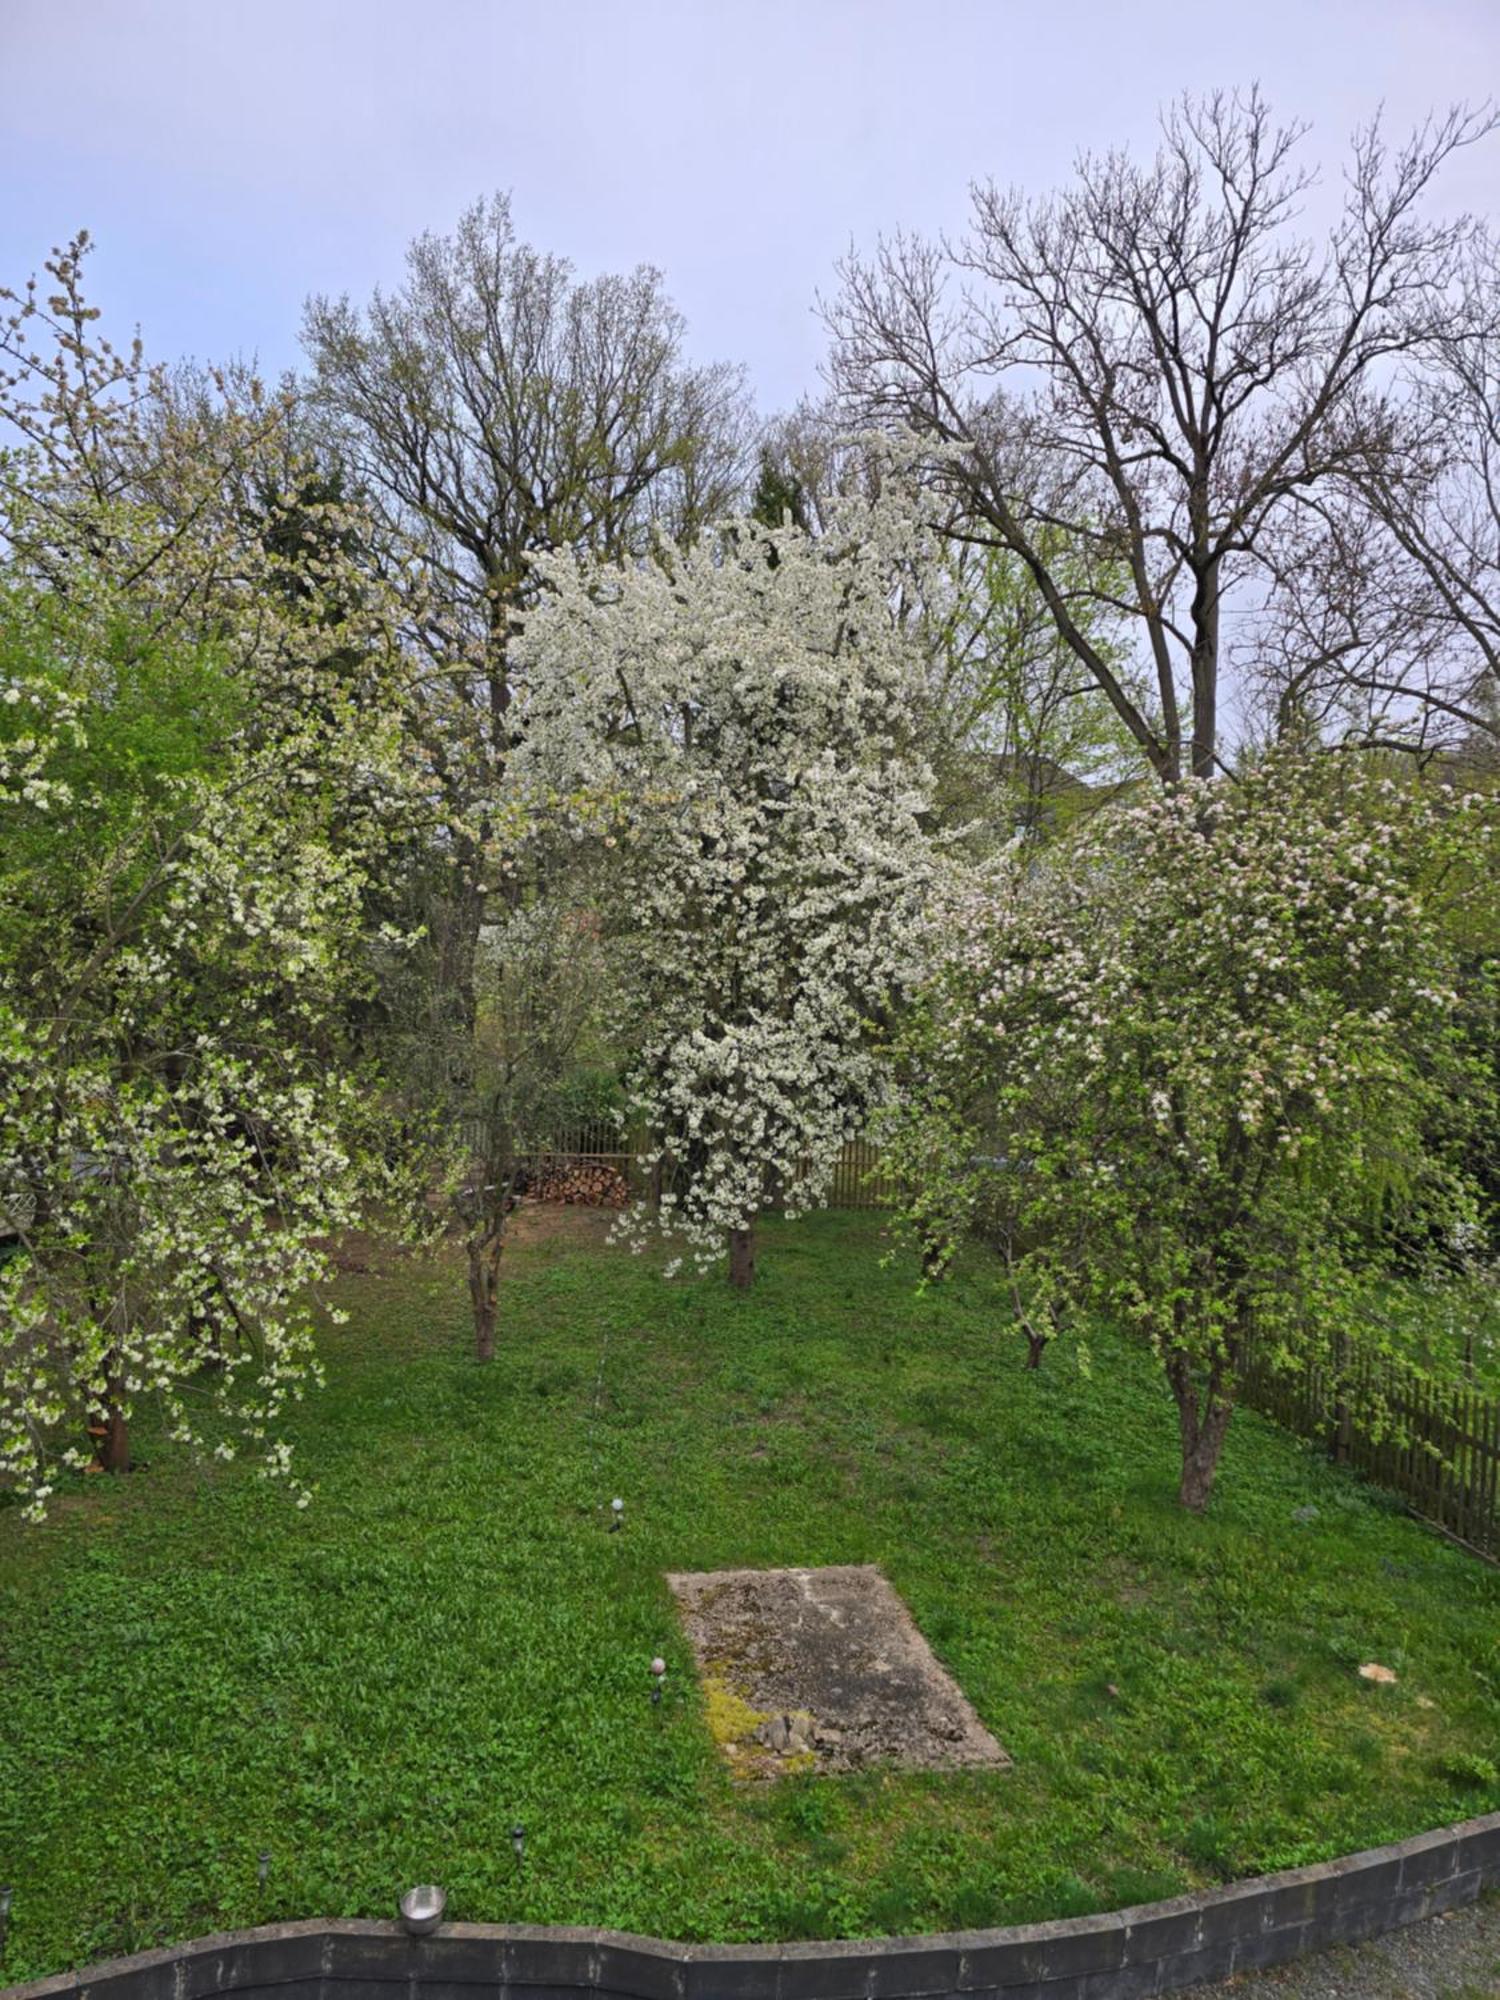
(590, 1183)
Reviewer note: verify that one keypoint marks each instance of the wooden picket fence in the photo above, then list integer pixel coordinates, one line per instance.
(598, 1139)
(1438, 1446)
(860, 1180)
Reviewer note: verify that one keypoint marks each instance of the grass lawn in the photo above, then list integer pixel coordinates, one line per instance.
(448, 1641)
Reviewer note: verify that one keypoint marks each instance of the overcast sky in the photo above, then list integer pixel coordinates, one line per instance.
(231, 157)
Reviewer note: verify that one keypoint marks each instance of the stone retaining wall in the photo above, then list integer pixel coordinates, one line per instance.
(1156, 1948)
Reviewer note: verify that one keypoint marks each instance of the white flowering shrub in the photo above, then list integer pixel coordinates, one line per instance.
(732, 726)
(1207, 1068)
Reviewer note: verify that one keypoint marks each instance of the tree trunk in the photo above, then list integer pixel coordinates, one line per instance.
(486, 1245)
(1341, 1431)
(111, 1433)
(1036, 1347)
(1203, 1423)
(936, 1251)
(1205, 665)
(742, 1257)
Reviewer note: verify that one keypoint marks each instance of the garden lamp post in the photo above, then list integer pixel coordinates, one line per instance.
(422, 1909)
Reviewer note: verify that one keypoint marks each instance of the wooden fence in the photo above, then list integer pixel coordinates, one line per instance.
(857, 1180)
(1437, 1446)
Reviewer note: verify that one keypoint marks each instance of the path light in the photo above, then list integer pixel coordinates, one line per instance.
(263, 1868)
(658, 1675)
(518, 1842)
(617, 1512)
(422, 1909)
(5, 1896)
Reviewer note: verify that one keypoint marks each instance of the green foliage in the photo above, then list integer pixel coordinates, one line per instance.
(202, 717)
(1023, 738)
(778, 500)
(1208, 1068)
(450, 1640)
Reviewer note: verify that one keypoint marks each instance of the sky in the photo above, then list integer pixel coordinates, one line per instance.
(232, 156)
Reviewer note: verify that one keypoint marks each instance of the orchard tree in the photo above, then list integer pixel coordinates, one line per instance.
(731, 726)
(1205, 1070)
(1016, 727)
(203, 769)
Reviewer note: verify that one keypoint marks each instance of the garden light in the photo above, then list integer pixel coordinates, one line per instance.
(658, 1675)
(263, 1868)
(518, 1842)
(617, 1511)
(422, 1909)
(5, 1896)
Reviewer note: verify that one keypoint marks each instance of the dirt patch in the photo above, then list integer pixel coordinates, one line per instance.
(535, 1222)
(823, 1670)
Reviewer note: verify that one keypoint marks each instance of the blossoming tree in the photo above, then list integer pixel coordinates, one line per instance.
(201, 728)
(732, 724)
(1205, 1069)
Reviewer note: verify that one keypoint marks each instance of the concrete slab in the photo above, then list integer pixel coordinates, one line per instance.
(823, 1670)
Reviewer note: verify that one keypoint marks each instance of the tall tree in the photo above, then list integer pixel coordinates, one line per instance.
(1435, 501)
(494, 407)
(498, 407)
(1156, 363)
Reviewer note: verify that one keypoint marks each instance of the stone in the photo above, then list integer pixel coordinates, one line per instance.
(823, 1670)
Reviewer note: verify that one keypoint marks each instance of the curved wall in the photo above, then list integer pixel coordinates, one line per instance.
(1156, 1948)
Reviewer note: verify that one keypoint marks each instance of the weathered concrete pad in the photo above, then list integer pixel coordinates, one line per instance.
(823, 1670)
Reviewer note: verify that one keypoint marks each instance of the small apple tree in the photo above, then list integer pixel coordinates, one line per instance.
(1204, 1069)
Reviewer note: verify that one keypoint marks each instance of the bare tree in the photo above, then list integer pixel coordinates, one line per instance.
(1435, 503)
(1156, 369)
(498, 407)
(492, 407)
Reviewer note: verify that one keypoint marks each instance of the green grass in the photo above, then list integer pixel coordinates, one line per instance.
(448, 1641)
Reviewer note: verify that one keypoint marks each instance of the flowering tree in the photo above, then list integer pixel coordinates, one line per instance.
(729, 725)
(201, 728)
(1205, 1069)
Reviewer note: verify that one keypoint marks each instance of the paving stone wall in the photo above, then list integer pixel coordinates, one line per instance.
(1157, 1948)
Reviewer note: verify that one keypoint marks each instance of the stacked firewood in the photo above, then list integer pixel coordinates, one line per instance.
(591, 1183)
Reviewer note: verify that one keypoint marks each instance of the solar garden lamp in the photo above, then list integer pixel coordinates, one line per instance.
(422, 1909)
(263, 1868)
(658, 1675)
(5, 1895)
(617, 1516)
(518, 1843)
